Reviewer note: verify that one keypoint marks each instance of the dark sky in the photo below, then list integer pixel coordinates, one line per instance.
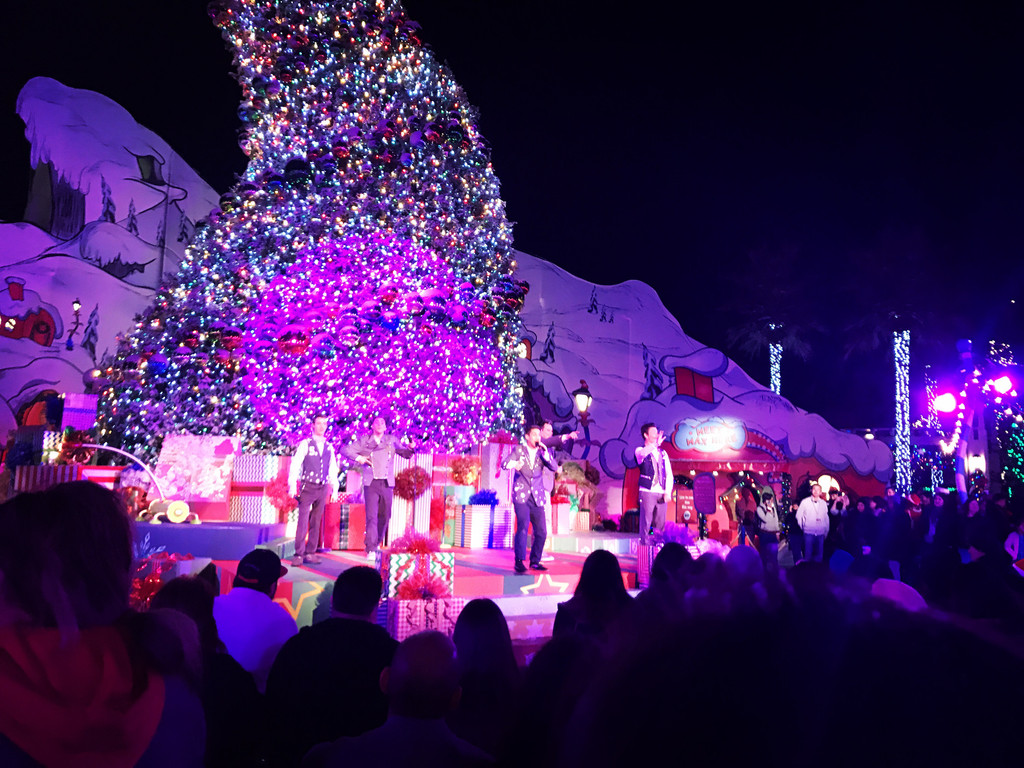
(882, 142)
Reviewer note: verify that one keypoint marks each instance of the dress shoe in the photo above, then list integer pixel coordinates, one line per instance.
(297, 561)
(538, 566)
(312, 559)
(520, 566)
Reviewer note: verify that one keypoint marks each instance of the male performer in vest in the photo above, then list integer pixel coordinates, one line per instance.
(313, 478)
(529, 461)
(376, 452)
(655, 481)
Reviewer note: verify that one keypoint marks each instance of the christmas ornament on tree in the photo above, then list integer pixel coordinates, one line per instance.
(360, 307)
(353, 128)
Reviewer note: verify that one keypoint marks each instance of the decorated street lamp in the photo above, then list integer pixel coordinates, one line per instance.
(583, 399)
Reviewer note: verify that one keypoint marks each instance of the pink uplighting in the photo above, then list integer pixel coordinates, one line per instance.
(1003, 384)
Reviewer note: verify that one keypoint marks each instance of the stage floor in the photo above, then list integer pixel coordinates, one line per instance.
(528, 601)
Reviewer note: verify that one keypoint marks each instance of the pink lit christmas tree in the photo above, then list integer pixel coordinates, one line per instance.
(363, 263)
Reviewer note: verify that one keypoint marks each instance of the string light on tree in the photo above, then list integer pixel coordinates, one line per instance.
(775, 363)
(352, 128)
(901, 355)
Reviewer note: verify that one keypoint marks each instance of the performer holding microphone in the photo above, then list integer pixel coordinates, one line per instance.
(376, 452)
(655, 481)
(529, 460)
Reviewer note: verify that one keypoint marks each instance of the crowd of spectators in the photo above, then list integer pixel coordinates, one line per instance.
(720, 661)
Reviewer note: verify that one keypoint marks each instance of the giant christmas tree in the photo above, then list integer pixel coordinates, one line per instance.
(362, 264)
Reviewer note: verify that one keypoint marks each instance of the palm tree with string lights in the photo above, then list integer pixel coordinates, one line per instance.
(773, 311)
(893, 317)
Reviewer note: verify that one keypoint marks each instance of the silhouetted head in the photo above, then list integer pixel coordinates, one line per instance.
(423, 679)
(357, 593)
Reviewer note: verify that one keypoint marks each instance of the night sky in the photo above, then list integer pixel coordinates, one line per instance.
(878, 145)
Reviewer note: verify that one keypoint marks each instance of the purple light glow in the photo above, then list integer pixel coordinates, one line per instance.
(367, 326)
(945, 403)
(1003, 384)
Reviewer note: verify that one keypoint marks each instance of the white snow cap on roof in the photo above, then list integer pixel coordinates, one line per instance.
(84, 135)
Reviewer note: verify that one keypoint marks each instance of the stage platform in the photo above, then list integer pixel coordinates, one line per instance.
(529, 601)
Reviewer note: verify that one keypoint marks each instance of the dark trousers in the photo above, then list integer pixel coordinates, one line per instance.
(527, 513)
(768, 548)
(312, 500)
(378, 496)
(814, 546)
(652, 510)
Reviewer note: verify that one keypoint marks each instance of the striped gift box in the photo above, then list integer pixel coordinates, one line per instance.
(645, 554)
(581, 522)
(108, 477)
(257, 468)
(416, 514)
(41, 477)
(481, 526)
(245, 507)
(402, 566)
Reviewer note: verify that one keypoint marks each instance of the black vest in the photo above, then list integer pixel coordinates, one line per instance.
(648, 470)
(316, 465)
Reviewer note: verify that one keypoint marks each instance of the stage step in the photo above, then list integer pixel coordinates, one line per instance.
(584, 543)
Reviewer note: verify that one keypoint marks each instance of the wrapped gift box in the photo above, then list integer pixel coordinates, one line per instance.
(407, 617)
(561, 518)
(402, 566)
(581, 522)
(460, 493)
(415, 514)
(258, 468)
(248, 502)
(79, 411)
(492, 476)
(198, 469)
(251, 507)
(352, 527)
(39, 478)
(485, 527)
(645, 554)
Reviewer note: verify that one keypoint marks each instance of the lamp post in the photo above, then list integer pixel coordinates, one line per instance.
(76, 305)
(583, 399)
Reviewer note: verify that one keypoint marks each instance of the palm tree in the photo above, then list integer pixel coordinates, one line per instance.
(894, 316)
(772, 311)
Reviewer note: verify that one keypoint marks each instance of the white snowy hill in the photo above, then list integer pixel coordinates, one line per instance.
(111, 210)
(626, 345)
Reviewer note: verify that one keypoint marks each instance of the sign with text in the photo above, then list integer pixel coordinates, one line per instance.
(704, 497)
(710, 435)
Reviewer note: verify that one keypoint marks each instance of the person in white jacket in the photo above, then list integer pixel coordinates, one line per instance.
(812, 517)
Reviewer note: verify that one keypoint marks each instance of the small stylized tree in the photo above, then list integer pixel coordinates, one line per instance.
(132, 225)
(548, 354)
(109, 212)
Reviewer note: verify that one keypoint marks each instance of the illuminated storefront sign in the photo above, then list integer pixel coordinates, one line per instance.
(710, 435)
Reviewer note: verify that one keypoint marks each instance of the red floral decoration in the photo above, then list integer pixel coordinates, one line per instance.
(465, 470)
(150, 575)
(412, 483)
(414, 543)
(423, 585)
(280, 496)
(72, 450)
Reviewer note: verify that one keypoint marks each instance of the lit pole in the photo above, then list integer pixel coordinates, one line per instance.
(583, 399)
